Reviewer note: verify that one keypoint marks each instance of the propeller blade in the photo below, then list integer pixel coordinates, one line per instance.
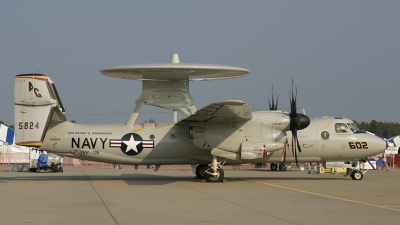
(298, 121)
(298, 144)
(273, 106)
(295, 151)
(295, 145)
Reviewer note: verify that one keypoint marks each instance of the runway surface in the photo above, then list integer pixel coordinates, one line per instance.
(102, 195)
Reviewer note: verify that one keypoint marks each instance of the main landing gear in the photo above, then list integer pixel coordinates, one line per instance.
(282, 166)
(211, 173)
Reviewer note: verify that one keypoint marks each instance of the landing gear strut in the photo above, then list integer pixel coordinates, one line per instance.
(212, 173)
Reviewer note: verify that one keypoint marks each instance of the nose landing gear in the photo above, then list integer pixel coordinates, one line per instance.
(357, 175)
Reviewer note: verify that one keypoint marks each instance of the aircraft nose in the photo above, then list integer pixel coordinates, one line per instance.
(378, 145)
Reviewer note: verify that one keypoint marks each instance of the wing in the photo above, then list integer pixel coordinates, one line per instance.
(228, 111)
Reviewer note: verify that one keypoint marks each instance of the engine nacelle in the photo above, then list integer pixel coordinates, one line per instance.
(252, 150)
(227, 137)
(200, 138)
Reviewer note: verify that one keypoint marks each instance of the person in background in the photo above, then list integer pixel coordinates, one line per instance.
(384, 162)
(348, 170)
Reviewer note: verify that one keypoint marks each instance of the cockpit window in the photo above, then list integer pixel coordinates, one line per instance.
(341, 128)
(352, 126)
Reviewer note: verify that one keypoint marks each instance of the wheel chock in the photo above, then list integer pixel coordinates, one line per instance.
(205, 181)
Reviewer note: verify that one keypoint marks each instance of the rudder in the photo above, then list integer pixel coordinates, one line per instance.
(36, 106)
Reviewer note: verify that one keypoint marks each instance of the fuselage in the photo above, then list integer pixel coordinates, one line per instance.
(169, 143)
(333, 139)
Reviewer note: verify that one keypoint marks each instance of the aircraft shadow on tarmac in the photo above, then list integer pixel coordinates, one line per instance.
(163, 179)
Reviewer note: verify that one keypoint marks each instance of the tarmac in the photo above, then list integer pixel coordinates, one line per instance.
(102, 195)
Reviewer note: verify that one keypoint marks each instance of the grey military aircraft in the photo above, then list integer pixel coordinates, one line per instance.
(222, 133)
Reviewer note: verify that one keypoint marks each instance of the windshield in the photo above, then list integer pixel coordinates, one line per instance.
(352, 126)
(341, 128)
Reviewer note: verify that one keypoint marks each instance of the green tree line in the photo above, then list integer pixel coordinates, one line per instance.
(10, 126)
(383, 129)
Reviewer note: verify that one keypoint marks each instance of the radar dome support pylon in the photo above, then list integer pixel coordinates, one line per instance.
(166, 85)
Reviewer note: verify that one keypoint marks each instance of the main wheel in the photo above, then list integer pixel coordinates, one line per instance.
(274, 167)
(215, 178)
(357, 175)
(200, 171)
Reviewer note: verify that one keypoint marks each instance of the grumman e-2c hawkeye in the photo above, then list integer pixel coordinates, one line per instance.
(220, 133)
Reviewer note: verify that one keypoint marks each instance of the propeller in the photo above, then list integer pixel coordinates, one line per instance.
(273, 106)
(298, 121)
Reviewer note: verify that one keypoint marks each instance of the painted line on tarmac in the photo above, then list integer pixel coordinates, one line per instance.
(326, 196)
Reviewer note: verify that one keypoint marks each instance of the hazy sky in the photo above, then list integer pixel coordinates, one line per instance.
(344, 56)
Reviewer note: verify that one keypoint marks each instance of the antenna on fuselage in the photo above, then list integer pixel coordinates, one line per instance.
(175, 58)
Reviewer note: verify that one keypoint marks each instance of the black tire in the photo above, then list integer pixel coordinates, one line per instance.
(200, 171)
(274, 167)
(218, 178)
(357, 175)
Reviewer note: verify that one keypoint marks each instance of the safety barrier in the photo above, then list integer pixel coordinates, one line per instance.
(11, 158)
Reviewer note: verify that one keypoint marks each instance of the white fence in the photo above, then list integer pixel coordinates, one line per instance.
(11, 158)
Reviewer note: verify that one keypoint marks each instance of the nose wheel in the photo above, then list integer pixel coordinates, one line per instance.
(357, 175)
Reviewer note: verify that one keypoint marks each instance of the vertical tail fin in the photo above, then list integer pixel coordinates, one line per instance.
(36, 106)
